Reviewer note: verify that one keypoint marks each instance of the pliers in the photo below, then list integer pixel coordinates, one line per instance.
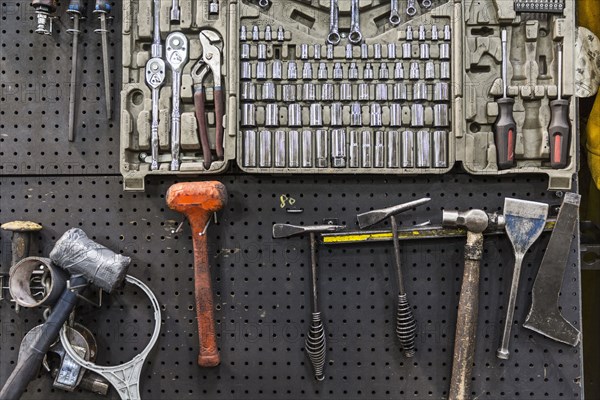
(209, 63)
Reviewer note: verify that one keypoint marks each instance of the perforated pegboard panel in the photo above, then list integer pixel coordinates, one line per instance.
(262, 290)
(34, 93)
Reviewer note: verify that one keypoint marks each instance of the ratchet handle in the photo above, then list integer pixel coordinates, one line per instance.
(202, 128)
(505, 134)
(558, 133)
(219, 113)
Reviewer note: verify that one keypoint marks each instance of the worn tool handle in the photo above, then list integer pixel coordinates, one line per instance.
(466, 321)
(558, 133)
(202, 128)
(30, 358)
(219, 113)
(209, 354)
(505, 134)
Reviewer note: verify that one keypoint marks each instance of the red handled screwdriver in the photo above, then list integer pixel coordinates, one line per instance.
(559, 129)
(505, 127)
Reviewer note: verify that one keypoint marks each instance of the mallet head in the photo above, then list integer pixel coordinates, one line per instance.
(188, 197)
(475, 221)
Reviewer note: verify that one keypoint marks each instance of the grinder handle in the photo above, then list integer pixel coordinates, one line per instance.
(466, 321)
(31, 358)
(209, 354)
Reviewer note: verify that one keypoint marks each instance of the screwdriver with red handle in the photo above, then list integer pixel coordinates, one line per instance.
(505, 127)
(559, 129)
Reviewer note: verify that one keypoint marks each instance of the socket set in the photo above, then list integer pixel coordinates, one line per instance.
(376, 105)
(359, 86)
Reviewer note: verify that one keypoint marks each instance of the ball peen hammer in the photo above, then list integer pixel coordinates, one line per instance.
(476, 222)
(198, 201)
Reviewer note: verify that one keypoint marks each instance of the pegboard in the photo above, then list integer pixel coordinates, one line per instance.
(262, 290)
(261, 285)
(35, 76)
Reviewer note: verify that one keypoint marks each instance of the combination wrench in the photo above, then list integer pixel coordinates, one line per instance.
(394, 14)
(177, 56)
(355, 36)
(411, 8)
(334, 15)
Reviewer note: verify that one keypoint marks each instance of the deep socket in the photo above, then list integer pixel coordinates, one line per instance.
(261, 51)
(423, 149)
(295, 115)
(345, 91)
(245, 51)
(264, 146)
(429, 70)
(376, 120)
(292, 73)
(441, 92)
(338, 148)
(288, 93)
(307, 149)
(353, 151)
(419, 91)
(304, 51)
(366, 149)
(277, 70)
(309, 91)
(248, 92)
(381, 92)
(279, 149)
(261, 70)
(377, 51)
(316, 115)
(440, 149)
(245, 71)
(440, 116)
(392, 149)
(417, 112)
(408, 149)
(407, 50)
(327, 91)
(249, 149)
(322, 151)
(379, 150)
(294, 149)
(400, 91)
(248, 115)
(395, 114)
(336, 114)
(445, 70)
(364, 92)
(391, 51)
(269, 93)
(355, 114)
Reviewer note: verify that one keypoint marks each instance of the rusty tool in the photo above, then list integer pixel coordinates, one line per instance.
(198, 201)
(315, 339)
(210, 63)
(544, 315)
(20, 245)
(525, 221)
(476, 222)
(85, 261)
(406, 326)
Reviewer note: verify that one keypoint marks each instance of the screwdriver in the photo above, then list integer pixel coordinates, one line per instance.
(75, 10)
(102, 8)
(505, 128)
(559, 129)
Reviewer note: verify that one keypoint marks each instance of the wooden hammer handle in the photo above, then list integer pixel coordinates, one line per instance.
(209, 354)
(466, 321)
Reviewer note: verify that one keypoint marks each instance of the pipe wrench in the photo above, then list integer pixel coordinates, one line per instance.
(209, 63)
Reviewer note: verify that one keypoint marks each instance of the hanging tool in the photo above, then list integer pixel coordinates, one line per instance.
(334, 24)
(76, 10)
(103, 8)
(20, 245)
(355, 35)
(411, 8)
(177, 56)
(315, 339)
(505, 127)
(86, 261)
(406, 326)
(210, 63)
(198, 201)
(476, 222)
(394, 13)
(44, 11)
(559, 129)
(525, 221)
(544, 315)
(125, 378)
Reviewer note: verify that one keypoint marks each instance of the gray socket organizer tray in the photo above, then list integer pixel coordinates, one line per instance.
(408, 99)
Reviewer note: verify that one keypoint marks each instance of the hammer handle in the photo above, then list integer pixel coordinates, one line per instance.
(209, 355)
(466, 321)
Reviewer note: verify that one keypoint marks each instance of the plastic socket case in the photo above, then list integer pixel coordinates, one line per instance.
(415, 98)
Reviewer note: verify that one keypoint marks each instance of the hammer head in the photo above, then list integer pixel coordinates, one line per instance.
(476, 221)
(187, 197)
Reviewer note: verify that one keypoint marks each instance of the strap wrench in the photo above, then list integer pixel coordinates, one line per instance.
(209, 63)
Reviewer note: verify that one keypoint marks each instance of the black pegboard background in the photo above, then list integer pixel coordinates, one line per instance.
(261, 285)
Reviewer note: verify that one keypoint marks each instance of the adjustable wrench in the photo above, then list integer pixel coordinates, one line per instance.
(155, 77)
(355, 36)
(334, 31)
(394, 14)
(177, 56)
